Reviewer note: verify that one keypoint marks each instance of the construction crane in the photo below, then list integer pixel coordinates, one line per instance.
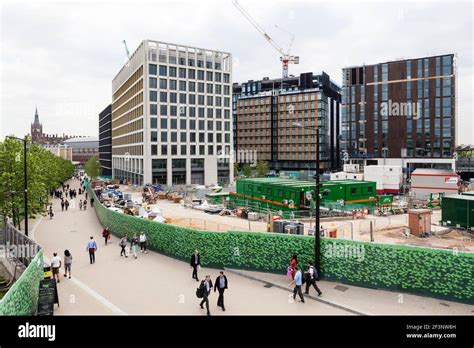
(285, 58)
(126, 51)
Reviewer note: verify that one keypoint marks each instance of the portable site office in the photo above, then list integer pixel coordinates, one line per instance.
(288, 194)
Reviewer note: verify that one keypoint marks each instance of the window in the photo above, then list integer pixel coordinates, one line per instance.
(154, 150)
(163, 70)
(192, 86)
(182, 85)
(153, 96)
(191, 74)
(226, 78)
(218, 77)
(174, 149)
(172, 97)
(174, 123)
(153, 109)
(182, 98)
(200, 100)
(200, 87)
(163, 83)
(192, 137)
(174, 137)
(192, 111)
(163, 97)
(209, 75)
(200, 74)
(182, 124)
(172, 71)
(152, 69)
(164, 149)
(164, 136)
(192, 149)
(202, 150)
(202, 137)
(182, 73)
(210, 149)
(153, 122)
(163, 123)
(201, 125)
(210, 137)
(201, 112)
(183, 149)
(153, 82)
(354, 190)
(209, 88)
(154, 136)
(173, 84)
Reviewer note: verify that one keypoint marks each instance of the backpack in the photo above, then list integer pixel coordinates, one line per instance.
(200, 292)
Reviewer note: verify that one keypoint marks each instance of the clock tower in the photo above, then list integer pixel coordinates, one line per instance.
(36, 129)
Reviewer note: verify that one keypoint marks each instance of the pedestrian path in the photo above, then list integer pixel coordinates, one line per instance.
(151, 284)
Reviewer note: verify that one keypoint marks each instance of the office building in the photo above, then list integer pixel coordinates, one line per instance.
(171, 116)
(264, 114)
(401, 112)
(105, 140)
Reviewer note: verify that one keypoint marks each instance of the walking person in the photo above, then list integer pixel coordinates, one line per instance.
(92, 202)
(51, 214)
(206, 286)
(66, 204)
(67, 263)
(106, 234)
(143, 243)
(91, 248)
(84, 203)
(221, 284)
(80, 204)
(195, 263)
(123, 245)
(293, 264)
(62, 205)
(298, 282)
(311, 279)
(134, 245)
(86, 194)
(55, 266)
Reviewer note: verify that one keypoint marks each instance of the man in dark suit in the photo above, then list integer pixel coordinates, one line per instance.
(195, 263)
(206, 286)
(221, 284)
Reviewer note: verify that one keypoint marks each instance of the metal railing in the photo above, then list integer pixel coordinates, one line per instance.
(18, 246)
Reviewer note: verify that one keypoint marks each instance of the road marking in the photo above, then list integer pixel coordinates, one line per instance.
(98, 297)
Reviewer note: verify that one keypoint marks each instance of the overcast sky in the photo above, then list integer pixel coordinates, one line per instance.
(62, 57)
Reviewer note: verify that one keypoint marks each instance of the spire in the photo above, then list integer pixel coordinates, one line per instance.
(36, 117)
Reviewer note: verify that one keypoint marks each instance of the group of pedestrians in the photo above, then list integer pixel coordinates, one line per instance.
(134, 242)
(205, 288)
(56, 263)
(298, 278)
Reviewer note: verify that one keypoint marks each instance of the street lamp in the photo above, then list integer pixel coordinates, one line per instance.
(25, 181)
(317, 239)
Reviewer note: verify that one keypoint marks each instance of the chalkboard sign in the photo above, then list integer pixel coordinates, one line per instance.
(48, 296)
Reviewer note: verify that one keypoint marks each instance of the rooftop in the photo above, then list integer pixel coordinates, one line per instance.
(81, 139)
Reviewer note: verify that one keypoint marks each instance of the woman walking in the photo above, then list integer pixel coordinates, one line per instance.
(106, 234)
(67, 263)
(134, 245)
(123, 245)
(80, 204)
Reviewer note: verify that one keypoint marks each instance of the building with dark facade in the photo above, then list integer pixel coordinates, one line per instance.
(264, 114)
(105, 140)
(404, 109)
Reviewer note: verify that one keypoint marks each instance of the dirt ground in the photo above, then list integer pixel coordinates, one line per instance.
(454, 239)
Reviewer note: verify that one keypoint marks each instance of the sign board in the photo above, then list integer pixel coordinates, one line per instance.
(386, 199)
(47, 297)
(451, 180)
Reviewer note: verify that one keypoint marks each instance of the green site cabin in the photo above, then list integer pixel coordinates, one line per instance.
(458, 211)
(288, 194)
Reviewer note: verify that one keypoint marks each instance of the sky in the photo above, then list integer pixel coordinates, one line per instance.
(62, 56)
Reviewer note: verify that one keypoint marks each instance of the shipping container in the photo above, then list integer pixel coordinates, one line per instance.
(458, 211)
(426, 180)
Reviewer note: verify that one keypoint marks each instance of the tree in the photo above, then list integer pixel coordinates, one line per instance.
(247, 170)
(93, 168)
(45, 172)
(236, 169)
(262, 169)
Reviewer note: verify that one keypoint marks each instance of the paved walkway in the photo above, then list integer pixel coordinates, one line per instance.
(152, 284)
(156, 284)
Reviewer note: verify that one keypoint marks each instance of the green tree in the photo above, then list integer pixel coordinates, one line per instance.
(93, 168)
(247, 170)
(236, 169)
(44, 173)
(262, 169)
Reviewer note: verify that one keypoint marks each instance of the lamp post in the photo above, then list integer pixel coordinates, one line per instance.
(25, 184)
(317, 239)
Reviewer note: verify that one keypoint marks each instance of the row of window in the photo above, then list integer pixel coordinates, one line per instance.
(174, 59)
(201, 124)
(166, 150)
(192, 74)
(188, 86)
(183, 137)
(175, 110)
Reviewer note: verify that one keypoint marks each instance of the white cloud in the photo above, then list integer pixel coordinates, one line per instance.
(63, 56)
